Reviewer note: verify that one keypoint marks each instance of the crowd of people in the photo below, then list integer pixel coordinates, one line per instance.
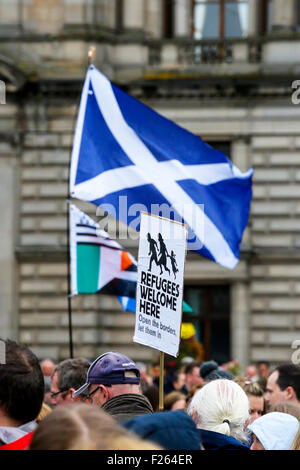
(112, 403)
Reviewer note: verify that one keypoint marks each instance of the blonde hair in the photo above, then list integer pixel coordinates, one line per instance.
(172, 398)
(221, 406)
(296, 442)
(45, 410)
(286, 407)
(79, 426)
(249, 387)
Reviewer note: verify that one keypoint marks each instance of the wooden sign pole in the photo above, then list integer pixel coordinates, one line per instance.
(161, 381)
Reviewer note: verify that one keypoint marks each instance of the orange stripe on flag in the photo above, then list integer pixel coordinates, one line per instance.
(125, 260)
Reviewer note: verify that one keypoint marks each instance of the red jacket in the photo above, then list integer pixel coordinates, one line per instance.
(19, 444)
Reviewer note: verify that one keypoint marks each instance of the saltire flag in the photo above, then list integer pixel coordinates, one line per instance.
(98, 263)
(124, 148)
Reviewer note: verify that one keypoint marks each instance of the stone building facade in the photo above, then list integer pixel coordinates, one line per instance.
(234, 92)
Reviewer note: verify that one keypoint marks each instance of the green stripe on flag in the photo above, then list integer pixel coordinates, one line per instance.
(88, 267)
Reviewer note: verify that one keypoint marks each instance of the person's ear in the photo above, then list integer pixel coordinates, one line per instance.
(290, 393)
(70, 392)
(105, 391)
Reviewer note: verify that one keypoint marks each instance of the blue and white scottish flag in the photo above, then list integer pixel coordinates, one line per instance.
(125, 151)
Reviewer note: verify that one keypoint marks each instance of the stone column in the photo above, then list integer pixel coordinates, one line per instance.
(154, 18)
(240, 323)
(8, 211)
(253, 15)
(283, 15)
(240, 158)
(9, 13)
(43, 17)
(182, 18)
(133, 14)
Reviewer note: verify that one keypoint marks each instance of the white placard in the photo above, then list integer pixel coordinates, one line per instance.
(159, 295)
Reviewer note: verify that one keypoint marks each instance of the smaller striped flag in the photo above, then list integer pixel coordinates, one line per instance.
(129, 305)
(98, 263)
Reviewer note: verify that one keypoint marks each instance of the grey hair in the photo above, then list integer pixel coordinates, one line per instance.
(221, 406)
(71, 373)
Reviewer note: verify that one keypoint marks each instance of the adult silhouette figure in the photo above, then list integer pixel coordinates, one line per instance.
(152, 250)
(163, 254)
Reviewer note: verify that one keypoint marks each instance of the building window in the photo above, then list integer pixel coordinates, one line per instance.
(297, 15)
(265, 18)
(119, 15)
(220, 19)
(168, 18)
(211, 318)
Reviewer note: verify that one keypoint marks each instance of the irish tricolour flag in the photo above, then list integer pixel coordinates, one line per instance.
(98, 263)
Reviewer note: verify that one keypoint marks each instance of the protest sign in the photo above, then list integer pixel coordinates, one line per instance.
(162, 252)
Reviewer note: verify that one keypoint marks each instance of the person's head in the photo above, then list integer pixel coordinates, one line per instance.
(21, 385)
(78, 426)
(175, 401)
(110, 375)
(47, 366)
(255, 396)
(211, 371)
(192, 374)
(263, 368)
(251, 371)
(155, 370)
(221, 406)
(178, 380)
(283, 385)
(67, 376)
(287, 407)
(273, 431)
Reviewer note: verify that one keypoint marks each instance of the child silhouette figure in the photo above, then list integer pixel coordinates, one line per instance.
(173, 263)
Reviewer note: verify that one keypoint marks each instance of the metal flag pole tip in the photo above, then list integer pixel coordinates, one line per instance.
(91, 54)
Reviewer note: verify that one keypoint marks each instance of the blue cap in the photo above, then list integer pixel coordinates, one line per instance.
(109, 369)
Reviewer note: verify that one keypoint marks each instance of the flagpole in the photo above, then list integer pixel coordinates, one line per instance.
(70, 327)
(71, 349)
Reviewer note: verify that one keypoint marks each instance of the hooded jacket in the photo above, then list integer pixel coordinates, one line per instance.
(172, 430)
(212, 440)
(10, 434)
(126, 406)
(275, 431)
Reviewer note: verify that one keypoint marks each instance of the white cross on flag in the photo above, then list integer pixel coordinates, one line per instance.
(125, 150)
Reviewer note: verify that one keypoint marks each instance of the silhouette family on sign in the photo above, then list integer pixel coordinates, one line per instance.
(161, 259)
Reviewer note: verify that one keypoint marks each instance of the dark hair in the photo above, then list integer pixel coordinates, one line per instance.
(21, 383)
(176, 375)
(71, 373)
(289, 376)
(267, 363)
(190, 367)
